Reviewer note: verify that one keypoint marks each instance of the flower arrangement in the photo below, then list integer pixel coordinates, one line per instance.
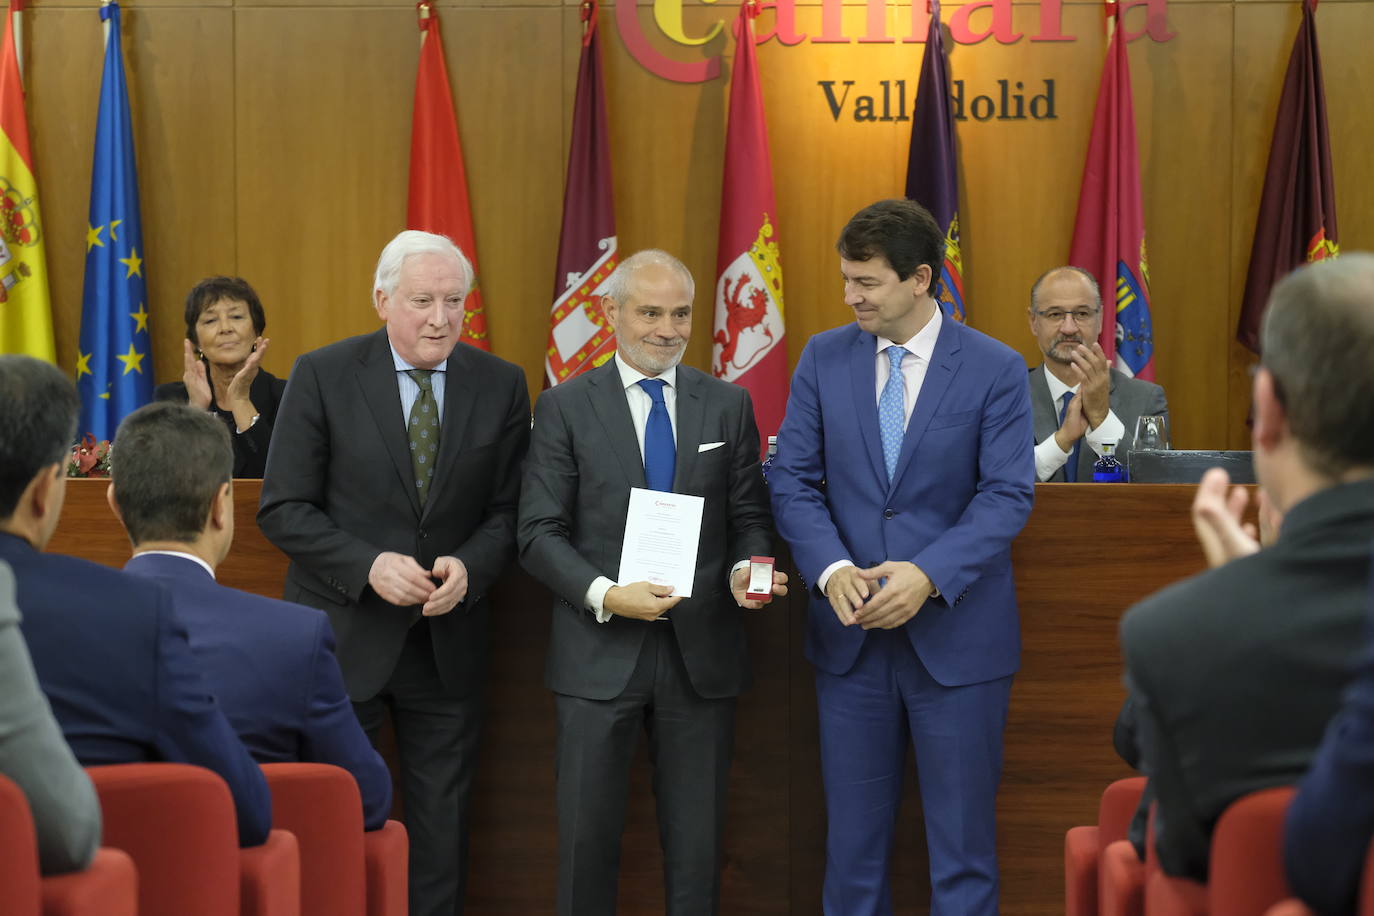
(89, 458)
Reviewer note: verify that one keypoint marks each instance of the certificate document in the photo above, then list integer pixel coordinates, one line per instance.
(661, 535)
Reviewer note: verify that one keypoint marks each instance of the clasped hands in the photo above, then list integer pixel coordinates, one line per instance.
(644, 601)
(857, 596)
(1218, 513)
(402, 581)
(1089, 407)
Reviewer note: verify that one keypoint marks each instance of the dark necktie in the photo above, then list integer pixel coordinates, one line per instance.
(423, 432)
(660, 453)
(1070, 466)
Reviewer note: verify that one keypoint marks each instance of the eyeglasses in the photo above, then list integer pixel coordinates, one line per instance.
(1079, 316)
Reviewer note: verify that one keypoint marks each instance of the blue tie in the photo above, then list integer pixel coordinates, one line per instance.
(660, 453)
(892, 411)
(1070, 466)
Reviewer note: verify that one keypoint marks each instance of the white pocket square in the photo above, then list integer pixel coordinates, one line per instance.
(707, 446)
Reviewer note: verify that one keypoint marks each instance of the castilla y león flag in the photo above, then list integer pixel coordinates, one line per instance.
(438, 200)
(1297, 215)
(1109, 232)
(749, 347)
(579, 337)
(932, 165)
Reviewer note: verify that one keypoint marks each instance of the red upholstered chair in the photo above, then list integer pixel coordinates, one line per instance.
(387, 854)
(320, 804)
(108, 887)
(177, 822)
(1121, 881)
(20, 891)
(1290, 907)
(1245, 871)
(1083, 846)
(1367, 884)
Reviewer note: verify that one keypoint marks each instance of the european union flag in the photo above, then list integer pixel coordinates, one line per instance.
(114, 367)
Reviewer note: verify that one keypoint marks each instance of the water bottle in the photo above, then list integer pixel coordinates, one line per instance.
(1107, 469)
(768, 459)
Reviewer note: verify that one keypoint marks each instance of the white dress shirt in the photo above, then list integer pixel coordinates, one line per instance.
(1049, 457)
(640, 403)
(410, 389)
(919, 349)
(177, 553)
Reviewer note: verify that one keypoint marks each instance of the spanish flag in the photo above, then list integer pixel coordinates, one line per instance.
(25, 309)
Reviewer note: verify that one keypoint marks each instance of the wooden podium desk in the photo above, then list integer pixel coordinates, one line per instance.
(1087, 553)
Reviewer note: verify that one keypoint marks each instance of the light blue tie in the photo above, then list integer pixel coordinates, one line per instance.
(660, 452)
(892, 411)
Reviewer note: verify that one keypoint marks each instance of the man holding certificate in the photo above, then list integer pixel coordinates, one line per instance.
(642, 506)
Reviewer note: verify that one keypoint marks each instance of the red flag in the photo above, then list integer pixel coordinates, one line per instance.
(438, 199)
(749, 346)
(1297, 215)
(579, 337)
(1109, 233)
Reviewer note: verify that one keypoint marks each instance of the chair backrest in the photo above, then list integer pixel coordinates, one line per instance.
(321, 805)
(1245, 871)
(177, 822)
(20, 890)
(1367, 884)
(1114, 814)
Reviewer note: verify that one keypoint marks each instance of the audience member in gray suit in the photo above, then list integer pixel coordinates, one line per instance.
(1076, 397)
(34, 754)
(629, 655)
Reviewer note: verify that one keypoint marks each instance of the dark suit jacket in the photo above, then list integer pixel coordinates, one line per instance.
(339, 490)
(113, 658)
(1332, 819)
(272, 667)
(584, 458)
(1129, 398)
(1235, 672)
(963, 489)
(250, 446)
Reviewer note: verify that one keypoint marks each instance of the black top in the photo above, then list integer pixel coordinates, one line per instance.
(250, 446)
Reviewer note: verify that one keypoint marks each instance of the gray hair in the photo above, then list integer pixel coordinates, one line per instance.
(1088, 278)
(1315, 340)
(619, 284)
(407, 244)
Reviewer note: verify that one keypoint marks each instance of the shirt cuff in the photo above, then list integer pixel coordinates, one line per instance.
(1049, 457)
(596, 598)
(830, 571)
(1110, 430)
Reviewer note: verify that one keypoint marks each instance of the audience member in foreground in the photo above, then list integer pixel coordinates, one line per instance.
(1236, 672)
(110, 652)
(270, 664)
(66, 813)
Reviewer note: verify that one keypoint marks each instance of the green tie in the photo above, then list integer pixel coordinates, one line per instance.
(423, 432)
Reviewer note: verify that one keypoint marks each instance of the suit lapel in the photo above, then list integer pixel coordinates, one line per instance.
(944, 363)
(1044, 413)
(377, 379)
(863, 376)
(608, 403)
(460, 396)
(691, 414)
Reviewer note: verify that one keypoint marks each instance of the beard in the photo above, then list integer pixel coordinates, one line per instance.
(1062, 347)
(653, 359)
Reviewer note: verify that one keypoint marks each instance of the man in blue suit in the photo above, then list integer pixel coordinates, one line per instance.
(1331, 821)
(270, 663)
(904, 469)
(110, 652)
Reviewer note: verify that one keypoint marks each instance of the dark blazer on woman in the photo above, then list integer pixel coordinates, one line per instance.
(250, 446)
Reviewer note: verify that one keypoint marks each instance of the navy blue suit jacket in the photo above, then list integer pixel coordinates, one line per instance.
(962, 491)
(113, 658)
(271, 664)
(1331, 821)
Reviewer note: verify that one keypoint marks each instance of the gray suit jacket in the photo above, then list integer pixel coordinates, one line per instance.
(34, 754)
(584, 458)
(1130, 398)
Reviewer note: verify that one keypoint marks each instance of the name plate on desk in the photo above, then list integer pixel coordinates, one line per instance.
(1156, 465)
